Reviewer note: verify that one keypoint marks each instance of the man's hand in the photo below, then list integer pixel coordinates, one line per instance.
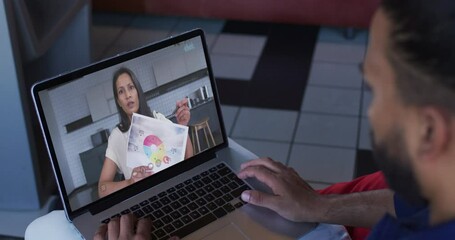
(123, 228)
(292, 197)
(127, 227)
(295, 200)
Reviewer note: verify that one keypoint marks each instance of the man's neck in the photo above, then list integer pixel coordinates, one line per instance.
(442, 208)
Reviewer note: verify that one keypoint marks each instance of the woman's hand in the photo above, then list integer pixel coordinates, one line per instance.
(140, 173)
(183, 112)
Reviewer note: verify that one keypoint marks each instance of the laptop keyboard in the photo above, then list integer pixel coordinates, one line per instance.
(191, 204)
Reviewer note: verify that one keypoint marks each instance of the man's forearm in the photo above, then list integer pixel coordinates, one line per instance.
(363, 209)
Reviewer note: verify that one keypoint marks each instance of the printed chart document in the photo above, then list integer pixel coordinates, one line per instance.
(155, 143)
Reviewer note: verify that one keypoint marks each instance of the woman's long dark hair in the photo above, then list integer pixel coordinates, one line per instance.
(125, 122)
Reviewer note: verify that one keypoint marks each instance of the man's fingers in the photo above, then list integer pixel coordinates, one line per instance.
(259, 199)
(113, 229)
(254, 162)
(101, 232)
(126, 226)
(266, 162)
(143, 227)
(262, 174)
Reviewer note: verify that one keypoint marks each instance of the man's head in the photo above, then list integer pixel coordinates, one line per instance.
(410, 66)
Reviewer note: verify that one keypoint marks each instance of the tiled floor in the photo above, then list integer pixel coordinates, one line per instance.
(290, 92)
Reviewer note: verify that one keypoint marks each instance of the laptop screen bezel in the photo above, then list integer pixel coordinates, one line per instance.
(127, 192)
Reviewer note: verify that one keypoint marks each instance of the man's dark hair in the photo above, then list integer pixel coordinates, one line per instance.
(125, 122)
(421, 50)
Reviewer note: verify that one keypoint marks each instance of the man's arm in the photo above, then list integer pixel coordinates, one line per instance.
(295, 200)
(362, 209)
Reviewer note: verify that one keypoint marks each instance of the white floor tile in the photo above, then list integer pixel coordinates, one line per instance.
(335, 75)
(329, 130)
(237, 44)
(341, 53)
(365, 139)
(337, 35)
(331, 100)
(229, 115)
(276, 150)
(323, 164)
(211, 27)
(266, 124)
(234, 67)
(210, 39)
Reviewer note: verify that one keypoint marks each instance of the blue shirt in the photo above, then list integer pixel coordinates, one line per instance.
(411, 223)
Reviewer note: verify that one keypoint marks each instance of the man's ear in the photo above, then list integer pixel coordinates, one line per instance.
(434, 131)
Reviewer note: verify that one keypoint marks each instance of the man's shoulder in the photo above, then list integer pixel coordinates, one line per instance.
(441, 231)
(415, 227)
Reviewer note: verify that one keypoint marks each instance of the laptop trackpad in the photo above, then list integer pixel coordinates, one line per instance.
(228, 232)
(250, 222)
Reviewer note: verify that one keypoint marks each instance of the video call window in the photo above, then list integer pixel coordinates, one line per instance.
(82, 114)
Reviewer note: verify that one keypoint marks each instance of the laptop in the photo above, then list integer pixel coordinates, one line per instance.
(197, 198)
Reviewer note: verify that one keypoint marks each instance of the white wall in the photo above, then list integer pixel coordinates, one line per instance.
(166, 103)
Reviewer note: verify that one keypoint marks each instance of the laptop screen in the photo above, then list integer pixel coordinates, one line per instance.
(82, 116)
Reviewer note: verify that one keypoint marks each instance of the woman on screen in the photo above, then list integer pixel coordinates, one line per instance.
(129, 99)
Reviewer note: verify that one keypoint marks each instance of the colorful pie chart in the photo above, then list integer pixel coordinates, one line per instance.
(154, 149)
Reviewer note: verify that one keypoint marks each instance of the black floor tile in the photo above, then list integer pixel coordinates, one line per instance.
(232, 92)
(282, 71)
(245, 27)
